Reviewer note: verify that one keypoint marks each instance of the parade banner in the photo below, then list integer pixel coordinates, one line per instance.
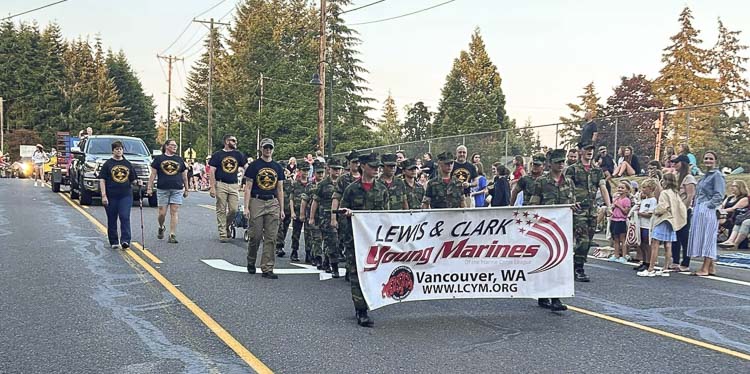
(521, 252)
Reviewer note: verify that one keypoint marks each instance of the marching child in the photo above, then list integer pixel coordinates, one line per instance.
(618, 226)
(670, 215)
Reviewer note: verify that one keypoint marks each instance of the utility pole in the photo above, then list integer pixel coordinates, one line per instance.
(322, 74)
(170, 59)
(257, 123)
(2, 132)
(209, 104)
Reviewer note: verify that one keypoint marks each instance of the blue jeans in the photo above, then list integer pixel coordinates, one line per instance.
(119, 207)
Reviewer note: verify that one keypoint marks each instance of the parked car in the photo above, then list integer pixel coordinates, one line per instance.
(92, 152)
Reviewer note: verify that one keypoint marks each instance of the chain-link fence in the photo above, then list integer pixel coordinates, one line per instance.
(651, 134)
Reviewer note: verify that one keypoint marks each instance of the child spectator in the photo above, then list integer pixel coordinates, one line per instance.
(670, 215)
(480, 191)
(618, 226)
(646, 209)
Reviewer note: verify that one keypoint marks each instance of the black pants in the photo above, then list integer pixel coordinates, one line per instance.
(681, 245)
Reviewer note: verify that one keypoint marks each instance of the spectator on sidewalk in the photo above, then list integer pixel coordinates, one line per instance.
(572, 157)
(708, 197)
(465, 173)
(685, 150)
(618, 226)
(670, 215)
(646, 208)
(687, 184)
(500, 190)
(480, 191)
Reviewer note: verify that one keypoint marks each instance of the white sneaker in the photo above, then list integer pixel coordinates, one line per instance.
(116, 246)
(34, 183)
(646, 273)
(662, 273)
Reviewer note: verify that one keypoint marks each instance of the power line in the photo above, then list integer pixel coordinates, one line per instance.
(202, 38)
(33, 10)
(188, 25)
(403, 15)
(362, 7)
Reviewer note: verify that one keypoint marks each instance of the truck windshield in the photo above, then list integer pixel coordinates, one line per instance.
(104, 146)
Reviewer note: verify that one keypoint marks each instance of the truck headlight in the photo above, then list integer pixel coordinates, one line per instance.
(89, 166)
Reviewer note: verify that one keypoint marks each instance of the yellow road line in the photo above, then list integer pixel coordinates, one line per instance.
(214, 326)
(103, 229)
(681, 338)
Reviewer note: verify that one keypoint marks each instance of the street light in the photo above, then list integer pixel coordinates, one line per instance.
(316, 81)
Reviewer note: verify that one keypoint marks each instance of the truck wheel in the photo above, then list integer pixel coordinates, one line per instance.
(85, 197)
(153, 200)
(55, 187)
(74, 190)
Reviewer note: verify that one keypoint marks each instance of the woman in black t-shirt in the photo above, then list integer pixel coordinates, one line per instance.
(115, 179)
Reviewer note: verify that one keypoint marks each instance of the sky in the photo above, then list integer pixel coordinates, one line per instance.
(546, 51)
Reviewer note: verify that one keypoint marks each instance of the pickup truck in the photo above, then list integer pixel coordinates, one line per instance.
(92, 152)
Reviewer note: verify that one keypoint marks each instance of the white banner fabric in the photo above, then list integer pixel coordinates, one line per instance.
(514, 252)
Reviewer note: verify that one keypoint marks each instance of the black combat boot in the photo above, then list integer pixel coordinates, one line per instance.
(363, 319)
(544, 303)
(280, 252)
(557, 305)
(580, 275)
(326, 264)
(308, 257)
(318, 262)
(293, 257)
(335, 270)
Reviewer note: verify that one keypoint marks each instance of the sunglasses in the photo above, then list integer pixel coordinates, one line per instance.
(267, 147)
(232, 140)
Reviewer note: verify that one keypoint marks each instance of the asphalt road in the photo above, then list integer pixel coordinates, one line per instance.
(71, 304)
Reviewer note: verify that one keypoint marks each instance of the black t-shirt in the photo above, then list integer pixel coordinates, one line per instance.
(264, 175)
(607, 164)
(227, 164)
(169, 171)
(464, 172)
(587, 134)
(117, 175)
(501, 192)
(429, 168)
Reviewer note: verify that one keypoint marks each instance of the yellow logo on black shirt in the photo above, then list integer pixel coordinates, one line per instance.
(461, 174)
(229, 164)
(120, 173)
(266, 179)
(170, 167)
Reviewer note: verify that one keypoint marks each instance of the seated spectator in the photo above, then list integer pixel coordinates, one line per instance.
(735, 203)
(685, 150)
(629, 165)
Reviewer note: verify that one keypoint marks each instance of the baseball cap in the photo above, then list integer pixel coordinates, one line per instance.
(388, 159)
(266, 141)
(682, 158)
(409, 164)
(369, 159)
(335, 163)
(558, 155)
(585, 145)
(538, 159)
(446, 157)
(602, 148)
(352, 156)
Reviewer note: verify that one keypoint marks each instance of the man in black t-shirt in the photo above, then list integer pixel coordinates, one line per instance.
(224, 184)
(465, 172)
(171, 189)
(589, 132)
(264, 197)
(115, 179)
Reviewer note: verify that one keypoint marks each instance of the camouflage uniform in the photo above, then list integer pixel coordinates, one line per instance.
(312, 232)
(442, 195)
(397, 187)
(341, 184)
(324, 197)
(414, 195)
(550, 191)
(356, 198)
(297, 191)
(284, 225)
(526, 183)
(584, 220)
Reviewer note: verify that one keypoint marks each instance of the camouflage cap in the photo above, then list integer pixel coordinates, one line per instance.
(335, 163)
(558, 155)
(369, 159)
(539, 159)
(446, 157)
(409, 164)
(319, 166)
(388, 159)
(303, 166)
(585, 145)
(352, 156)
